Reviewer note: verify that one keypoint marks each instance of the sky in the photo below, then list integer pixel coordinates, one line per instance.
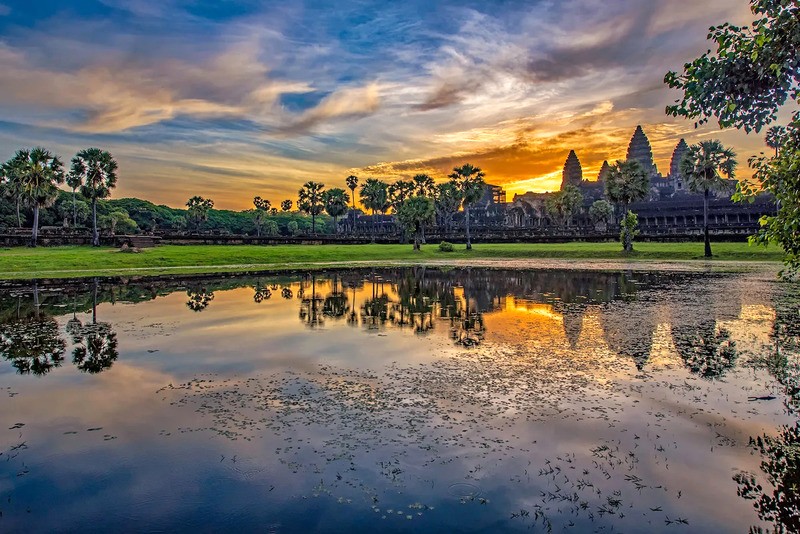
(237, 98)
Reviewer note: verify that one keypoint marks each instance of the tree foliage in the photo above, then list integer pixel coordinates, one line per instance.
(744, 83)
(753, 71)
(413, 214)
(309, 200)
(563, 204)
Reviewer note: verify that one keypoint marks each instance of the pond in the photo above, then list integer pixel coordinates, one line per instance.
(404, 399)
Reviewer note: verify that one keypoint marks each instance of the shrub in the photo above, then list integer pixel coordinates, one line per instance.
(444, 246)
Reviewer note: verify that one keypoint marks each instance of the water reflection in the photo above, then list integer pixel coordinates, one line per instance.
(466, 398)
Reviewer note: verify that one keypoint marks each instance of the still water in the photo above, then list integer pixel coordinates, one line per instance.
(411, 399)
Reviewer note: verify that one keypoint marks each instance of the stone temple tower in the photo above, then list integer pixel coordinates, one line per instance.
(573, 172)
(676, 179)
(640, 150)
(604, 170)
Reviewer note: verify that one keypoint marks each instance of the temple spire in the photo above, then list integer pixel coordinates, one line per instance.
(677, 155)
(640, 150)
(573, 172)
(604, 170)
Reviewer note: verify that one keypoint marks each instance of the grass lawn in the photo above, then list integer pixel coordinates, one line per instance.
(73, 262)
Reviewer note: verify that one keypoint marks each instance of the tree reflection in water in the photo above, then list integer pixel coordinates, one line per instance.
(310, 312)
(705, 349)
(199, 298)
(32, 343)
(779, 503)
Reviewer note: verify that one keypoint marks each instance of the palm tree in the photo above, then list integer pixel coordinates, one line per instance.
(424, 185)
(469, 180)
(774, 138)
(74, 182)
(310, 201)
(352, 183)
(399, 191)
(335, 201)
(703, 166)
(198, 208)
(374, 195)
(97, 171)
(40, 173)
(262, 207)
(627, 182)
(12, 178)
(286, 205)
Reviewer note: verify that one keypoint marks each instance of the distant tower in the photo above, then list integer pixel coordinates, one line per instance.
(640, 150)
(604, 170)
(675, 176)
(573, 172)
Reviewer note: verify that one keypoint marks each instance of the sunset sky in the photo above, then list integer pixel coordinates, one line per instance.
(241, 98)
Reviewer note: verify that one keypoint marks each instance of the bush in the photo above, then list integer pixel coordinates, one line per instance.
(444, 246)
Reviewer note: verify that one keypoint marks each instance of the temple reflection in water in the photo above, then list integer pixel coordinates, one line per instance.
(467, 305)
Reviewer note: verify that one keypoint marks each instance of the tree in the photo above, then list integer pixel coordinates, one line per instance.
(335, 201)
(413, 213)
(262, 206)
(40, 173)
(398, 192)
(469, 180)
(424, 185)
(750, 76)
(352, 183)
(563, 204)
(270, 227)
(601, 212)
(198, 208)
(309, 201)
(97, 171)
(74, 181)
(774, 138)
(374, 196)
(286, 205)
(743, 84)
(702, 165)
(12, 178)
(293, 228)
(118, 218)
(446, 202)
(627, 182)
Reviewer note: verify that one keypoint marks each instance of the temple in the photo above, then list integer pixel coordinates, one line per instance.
(669, 211)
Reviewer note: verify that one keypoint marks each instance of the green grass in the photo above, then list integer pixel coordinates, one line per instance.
(73, 262)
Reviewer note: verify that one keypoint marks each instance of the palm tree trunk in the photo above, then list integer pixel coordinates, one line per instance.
(19, 220)
(335, 226)
(706, 237)
(469, 241)
(313, 223)
(35, 229)
(74, 211)
(416, 238)
(422, 229)
(95, 235)
(374, 226)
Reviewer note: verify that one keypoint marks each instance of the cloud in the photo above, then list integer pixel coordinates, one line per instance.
(121, 93)
(346, 103)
